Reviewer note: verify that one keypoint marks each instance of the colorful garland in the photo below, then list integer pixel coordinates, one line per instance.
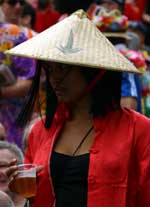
(136, 58)
(112, 21)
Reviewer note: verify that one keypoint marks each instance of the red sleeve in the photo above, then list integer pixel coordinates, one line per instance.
(142, 133)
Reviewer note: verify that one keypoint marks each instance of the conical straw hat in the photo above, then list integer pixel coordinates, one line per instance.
(75, 41)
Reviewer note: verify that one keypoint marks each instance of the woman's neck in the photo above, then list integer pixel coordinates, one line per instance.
(81, 109)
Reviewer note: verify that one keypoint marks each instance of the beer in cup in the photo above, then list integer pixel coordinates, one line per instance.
(26, 180)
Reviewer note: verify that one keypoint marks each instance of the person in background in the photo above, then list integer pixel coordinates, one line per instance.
(2, 17)
(12, 10)
(139, 29)
(135, 41)
(5, 200)
(28, 16)
(8, 152)
(2, 132)
(132, 11)
(23, 70)
(91, 151)
(46, 15)
(27, 20)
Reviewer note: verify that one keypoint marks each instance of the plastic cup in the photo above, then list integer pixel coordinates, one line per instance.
(26, 180)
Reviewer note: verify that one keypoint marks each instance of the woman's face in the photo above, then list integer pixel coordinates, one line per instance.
(67, 82)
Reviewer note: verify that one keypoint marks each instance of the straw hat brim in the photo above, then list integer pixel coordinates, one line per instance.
(75, 41)
(117, 35)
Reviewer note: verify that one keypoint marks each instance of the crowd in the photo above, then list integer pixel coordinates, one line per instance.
(87, 131)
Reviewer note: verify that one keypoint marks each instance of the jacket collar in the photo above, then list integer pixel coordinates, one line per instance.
(63, 114)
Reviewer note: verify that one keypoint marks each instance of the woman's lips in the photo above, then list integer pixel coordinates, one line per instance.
(59, 89)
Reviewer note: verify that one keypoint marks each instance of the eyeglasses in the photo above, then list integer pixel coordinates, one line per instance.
(14, 2)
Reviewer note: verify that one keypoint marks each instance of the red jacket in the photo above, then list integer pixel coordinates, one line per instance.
(119, 169)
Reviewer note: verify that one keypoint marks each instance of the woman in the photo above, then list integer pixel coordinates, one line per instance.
(93, 152)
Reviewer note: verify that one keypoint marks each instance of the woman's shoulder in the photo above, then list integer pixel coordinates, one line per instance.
(124, 116)
(136, 116)
(36, 129)
(141, 126)
(37, 124)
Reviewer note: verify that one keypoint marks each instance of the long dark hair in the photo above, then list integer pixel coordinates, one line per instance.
(29, 102)
(33, 94)
(107, 92)
(105, 95)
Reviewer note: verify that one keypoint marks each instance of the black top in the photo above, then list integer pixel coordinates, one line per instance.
(69, 177)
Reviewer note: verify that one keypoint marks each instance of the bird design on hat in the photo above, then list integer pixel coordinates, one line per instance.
(68, 48)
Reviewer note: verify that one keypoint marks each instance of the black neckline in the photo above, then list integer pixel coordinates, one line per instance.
(67, 155)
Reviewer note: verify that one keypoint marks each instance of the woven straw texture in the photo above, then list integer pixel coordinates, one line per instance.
(117, 34)
(75, 41)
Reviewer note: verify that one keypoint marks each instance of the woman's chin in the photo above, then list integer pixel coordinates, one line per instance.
(61, 99)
